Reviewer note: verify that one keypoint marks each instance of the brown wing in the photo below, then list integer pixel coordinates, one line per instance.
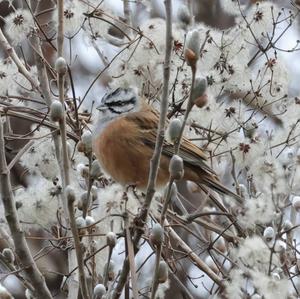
(192, 155)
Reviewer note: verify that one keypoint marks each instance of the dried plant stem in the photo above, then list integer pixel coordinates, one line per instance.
(65, 182)
(159, 247)
(154, 163)
(60, 29)
(25, 258)
(193, 256)
(155, 282)
(10, 51)
(127, 14)
(187, 112)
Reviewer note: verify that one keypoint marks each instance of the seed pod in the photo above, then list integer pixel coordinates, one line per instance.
(56, 111)
(86, 140)
(163, 272)
(82, 202)
(99, 291)
(269, 234)
(157, 235)
(8, 255)
(287, 225)
(94, 193)
(61, 65)
(70, 194)
(176, 169)
(95, 170)
(111, 271)
(174, 130)
(111, 239)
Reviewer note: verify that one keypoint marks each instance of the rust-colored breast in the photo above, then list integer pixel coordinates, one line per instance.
(124, 156)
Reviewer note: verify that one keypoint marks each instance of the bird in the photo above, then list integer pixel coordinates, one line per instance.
(124, 140)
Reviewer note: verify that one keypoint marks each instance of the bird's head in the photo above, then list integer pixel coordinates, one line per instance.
(119, 102)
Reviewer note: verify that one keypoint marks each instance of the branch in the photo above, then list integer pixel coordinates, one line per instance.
(31, 270)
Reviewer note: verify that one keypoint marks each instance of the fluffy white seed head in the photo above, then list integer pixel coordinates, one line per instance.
(56, 111)
(174, 130)
(157, 234)
(61, 65)
(176, 168)
(99, 291)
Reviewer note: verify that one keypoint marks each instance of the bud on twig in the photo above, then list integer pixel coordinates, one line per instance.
(111, 239)
(99, 291)
(199, 97)
(110, 271)
(56, 111)
(192, 47)
(86, 140)
(176, 167)
(157, 235)
(163, 272)
(80, 222)
(61, 66)
(269, 234)
(95, 170)
(70, 194)
(8, 255)
(174, 130)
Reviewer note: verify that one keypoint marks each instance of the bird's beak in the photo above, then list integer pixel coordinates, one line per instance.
(102, 107)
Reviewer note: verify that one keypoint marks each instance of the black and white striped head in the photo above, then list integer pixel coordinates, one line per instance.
(118, 102)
